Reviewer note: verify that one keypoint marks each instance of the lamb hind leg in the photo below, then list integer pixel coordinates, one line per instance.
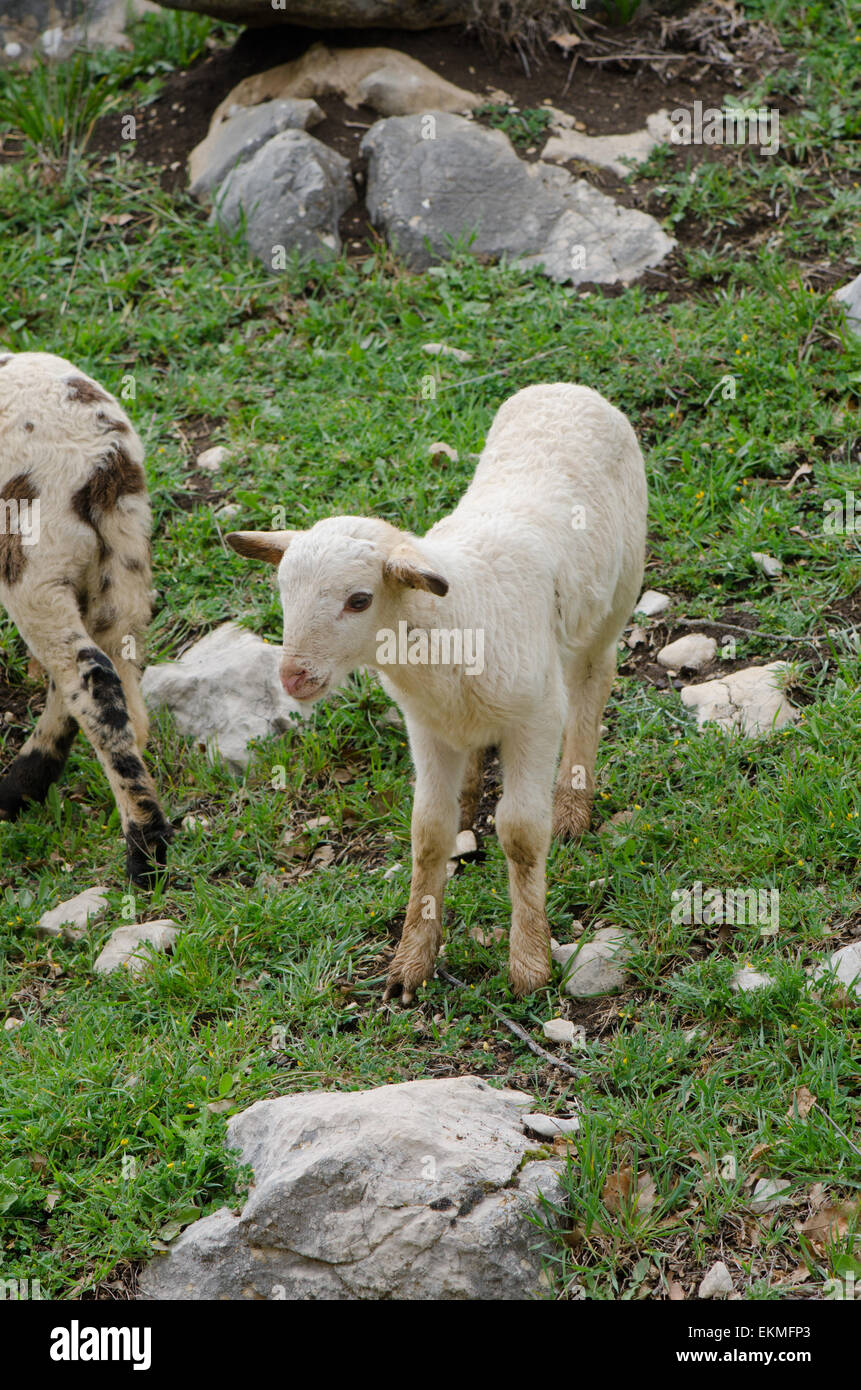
(523, 825)
(41, 760)
(588, 693)
(92, 692)
(439, 774)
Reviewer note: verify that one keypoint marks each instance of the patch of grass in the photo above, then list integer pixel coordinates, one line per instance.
(523, 128)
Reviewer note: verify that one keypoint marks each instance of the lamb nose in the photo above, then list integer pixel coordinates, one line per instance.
(293, 678)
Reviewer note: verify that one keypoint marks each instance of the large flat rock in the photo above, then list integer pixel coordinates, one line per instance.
(413, 1191)
(333, 14)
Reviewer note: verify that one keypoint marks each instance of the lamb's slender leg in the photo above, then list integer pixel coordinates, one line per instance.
(42, 758)
(523, 825)
(470, 795)
(588, 691)
(93, 693)
(439, 775)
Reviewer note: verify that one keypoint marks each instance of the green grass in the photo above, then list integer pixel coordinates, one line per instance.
(317, 383)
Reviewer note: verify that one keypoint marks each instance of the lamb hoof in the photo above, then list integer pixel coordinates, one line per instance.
(146, 853)
(406, 978)
(572, 812)
(525, 979)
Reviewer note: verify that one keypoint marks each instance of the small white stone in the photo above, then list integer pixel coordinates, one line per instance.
(598, 966)
(746, 979)
(195, 823)
(770, 567)
(13, 50)
(846, 965)
(465, 843)
(74, 913)
(692, 652)
(717, 1283)
(12, 1023)
(228, 511)
(443, 350)
(52, 41)
(212, 459)
(439, 447)
(652, 602)
(123, 947)
(559, 1030)
(550, 1126)
(390, 872)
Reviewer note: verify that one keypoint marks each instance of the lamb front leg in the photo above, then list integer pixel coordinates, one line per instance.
(439, 774)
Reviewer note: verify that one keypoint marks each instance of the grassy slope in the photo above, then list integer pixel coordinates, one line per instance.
(315, 382)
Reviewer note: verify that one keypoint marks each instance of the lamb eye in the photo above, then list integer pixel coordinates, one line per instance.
(357, 603)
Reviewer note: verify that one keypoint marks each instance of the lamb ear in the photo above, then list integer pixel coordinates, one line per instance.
(406, 566)
(261, 545)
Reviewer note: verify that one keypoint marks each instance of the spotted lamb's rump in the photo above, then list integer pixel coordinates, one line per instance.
(75, 579)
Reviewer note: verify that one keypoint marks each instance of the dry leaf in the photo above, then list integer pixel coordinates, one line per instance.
(758, 1150)
(803, 1102)
(647, 1192)
(830, 1223)
(617, 1190)
(675, 1291)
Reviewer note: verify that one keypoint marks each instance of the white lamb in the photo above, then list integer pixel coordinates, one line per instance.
(75, 579)
(540, 562)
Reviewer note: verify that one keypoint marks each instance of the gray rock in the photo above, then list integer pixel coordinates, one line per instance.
(434, 177)
(124, 946)
(224, 691)
(691, 652)
(744, 702)
(413, 1191)
(234, 141)
(292, 193)
(68, 919)
(850, 297)
(596, 966)
(846, 965)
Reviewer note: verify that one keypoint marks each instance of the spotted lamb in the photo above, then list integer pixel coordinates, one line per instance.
(75, 579)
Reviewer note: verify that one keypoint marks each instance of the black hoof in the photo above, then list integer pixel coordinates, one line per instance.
(146, 852)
